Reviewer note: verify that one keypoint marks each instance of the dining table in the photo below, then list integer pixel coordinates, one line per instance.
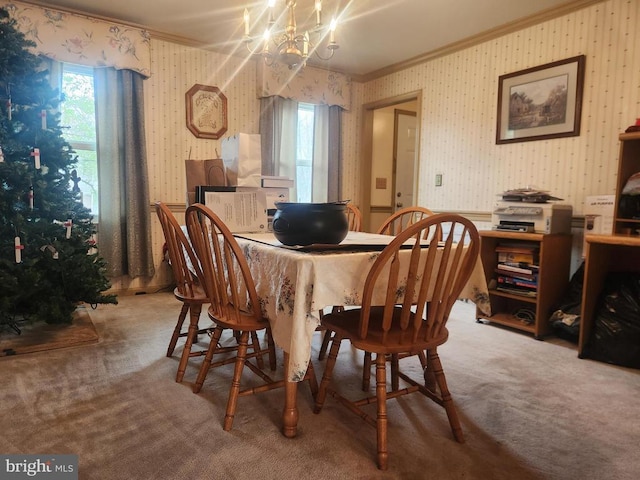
(295, 283)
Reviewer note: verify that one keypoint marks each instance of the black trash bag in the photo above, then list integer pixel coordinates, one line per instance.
(565, 319)
(615, 337)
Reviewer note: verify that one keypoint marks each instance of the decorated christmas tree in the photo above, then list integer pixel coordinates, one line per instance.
(48, 260)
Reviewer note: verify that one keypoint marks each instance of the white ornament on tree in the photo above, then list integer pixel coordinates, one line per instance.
(18, 248)
(36, 157)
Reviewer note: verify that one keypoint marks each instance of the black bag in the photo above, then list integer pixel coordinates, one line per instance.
(565, 319)
(615, 337)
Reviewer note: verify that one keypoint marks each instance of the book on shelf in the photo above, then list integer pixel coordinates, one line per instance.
(523, 276)
(517, 291)
(518, 268)
(517, 257)
(518, 282)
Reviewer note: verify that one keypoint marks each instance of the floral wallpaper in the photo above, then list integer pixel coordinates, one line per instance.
(310, 85)
(73, 38)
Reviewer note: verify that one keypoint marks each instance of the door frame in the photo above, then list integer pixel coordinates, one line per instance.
(396, 113)
(367, 146)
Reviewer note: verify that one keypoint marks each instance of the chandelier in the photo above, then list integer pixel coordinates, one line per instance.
(284, 44)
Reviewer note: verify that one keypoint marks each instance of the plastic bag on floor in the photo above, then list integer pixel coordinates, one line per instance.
(566, 318)
(615, 337)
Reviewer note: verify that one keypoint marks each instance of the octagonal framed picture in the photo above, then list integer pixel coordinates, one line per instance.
(206, 111)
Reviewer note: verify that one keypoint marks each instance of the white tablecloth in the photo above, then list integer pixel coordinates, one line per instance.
(293, 286)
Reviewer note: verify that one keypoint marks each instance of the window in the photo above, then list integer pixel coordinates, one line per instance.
(79, 128)
(304, 152)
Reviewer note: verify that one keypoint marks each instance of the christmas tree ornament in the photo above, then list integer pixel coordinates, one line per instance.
(36, 157)
(68, 225)
(43, 116)
(1, 155)
(31, 197)
(18, 248)
(9, 108)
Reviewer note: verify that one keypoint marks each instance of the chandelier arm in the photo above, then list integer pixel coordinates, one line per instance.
(331, 50)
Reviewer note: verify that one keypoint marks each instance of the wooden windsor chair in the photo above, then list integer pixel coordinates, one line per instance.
(429, 281)
(234, 304)
(393, 225)
(354, 217)
(187, 289)
(403, 218)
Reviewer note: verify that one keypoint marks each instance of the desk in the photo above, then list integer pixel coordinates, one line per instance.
(605, 253)
(293, 286)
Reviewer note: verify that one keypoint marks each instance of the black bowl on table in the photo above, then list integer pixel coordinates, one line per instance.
(310, 223)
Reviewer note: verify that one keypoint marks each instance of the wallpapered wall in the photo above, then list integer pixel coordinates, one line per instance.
(458, 116)
(459, 106)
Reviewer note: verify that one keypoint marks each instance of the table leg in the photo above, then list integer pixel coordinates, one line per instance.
(290, 412)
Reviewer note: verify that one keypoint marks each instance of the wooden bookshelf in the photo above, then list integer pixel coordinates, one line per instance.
(628, 164)
(553, 278)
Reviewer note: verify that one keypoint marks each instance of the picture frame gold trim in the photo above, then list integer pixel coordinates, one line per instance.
(541, 102)
(206, 108)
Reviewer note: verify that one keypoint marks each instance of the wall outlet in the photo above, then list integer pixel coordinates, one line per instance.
(438, 179)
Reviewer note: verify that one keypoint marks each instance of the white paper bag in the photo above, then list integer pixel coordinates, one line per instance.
(242, 157)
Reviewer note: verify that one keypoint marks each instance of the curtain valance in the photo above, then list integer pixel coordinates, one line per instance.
(73, 38)
(308, 85)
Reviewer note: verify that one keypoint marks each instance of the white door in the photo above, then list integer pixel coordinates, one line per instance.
(404, 159)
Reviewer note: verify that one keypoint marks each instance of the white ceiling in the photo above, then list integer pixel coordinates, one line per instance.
(372, 34)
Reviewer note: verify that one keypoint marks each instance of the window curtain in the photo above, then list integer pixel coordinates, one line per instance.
(334, 151)
(320, 175)
(278, 130)
(125, 223)
(278, 134)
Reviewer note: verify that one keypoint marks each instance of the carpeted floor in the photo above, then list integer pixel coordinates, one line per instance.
(529, 409)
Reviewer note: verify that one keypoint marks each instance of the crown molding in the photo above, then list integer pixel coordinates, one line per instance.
(492, 34)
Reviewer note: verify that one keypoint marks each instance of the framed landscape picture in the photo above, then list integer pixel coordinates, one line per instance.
(541, 102)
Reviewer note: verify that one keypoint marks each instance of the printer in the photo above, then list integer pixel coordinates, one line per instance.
(532, 217)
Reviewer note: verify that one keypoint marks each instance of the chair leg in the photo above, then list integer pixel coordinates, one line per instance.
(235, 383)
(423, 359)
(178, 329)
(366, 371)
(206, 364)
(381, 420)
(395, 368)
(313, 381)
(447, 400)
(271, 345)
(255, 341)
(326, 338)
(328, 371)
(194, 318)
